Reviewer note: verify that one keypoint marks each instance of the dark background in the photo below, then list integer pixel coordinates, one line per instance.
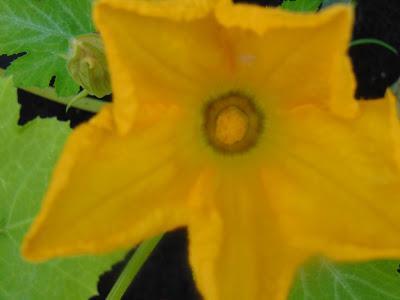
(166, 275)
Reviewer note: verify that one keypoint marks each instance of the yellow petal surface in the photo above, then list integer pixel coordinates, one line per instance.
(152, 56)
(335, 183)
(110, 191)
(292, 58)
(178, 10)
(236, 251)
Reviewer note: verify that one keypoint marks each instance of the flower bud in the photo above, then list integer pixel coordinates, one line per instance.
(87, 64)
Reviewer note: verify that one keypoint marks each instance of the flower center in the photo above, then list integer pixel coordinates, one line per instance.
(232, 123)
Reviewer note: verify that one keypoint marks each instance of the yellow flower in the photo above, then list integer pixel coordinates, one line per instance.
(238, 122)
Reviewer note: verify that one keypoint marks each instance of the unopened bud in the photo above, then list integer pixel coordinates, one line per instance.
(87, 64)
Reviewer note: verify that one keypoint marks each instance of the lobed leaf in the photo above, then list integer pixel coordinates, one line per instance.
(27, 156)
(42, 29)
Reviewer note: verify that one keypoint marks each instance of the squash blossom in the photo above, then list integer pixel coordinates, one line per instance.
(238, 122)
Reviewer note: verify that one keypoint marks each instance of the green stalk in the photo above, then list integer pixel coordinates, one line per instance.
(84, 103)
(369, 41)
(132, 268)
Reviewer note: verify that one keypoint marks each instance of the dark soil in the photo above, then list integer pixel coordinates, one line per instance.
(166, 275)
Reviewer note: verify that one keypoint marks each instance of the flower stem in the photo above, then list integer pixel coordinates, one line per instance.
(77, 97)
(369, 41)
(84, 103)
(132, 268)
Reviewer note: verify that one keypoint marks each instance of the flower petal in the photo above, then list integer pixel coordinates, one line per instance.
(110, 191)
(336, 182)
(165, 50)
(235, 248)
(293, 58)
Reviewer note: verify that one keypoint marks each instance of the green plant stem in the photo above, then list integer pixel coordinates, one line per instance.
(81, 95)
(84, 103)
(132, 268)
(369, 41)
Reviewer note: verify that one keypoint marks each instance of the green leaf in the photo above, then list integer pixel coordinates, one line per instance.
(302, 5)
(42, 29)
(321, 279)
(27, 156)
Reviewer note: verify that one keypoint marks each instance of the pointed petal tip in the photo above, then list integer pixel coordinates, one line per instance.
(38, 248)
(34, 252)
(33, 249)
(30, 252)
